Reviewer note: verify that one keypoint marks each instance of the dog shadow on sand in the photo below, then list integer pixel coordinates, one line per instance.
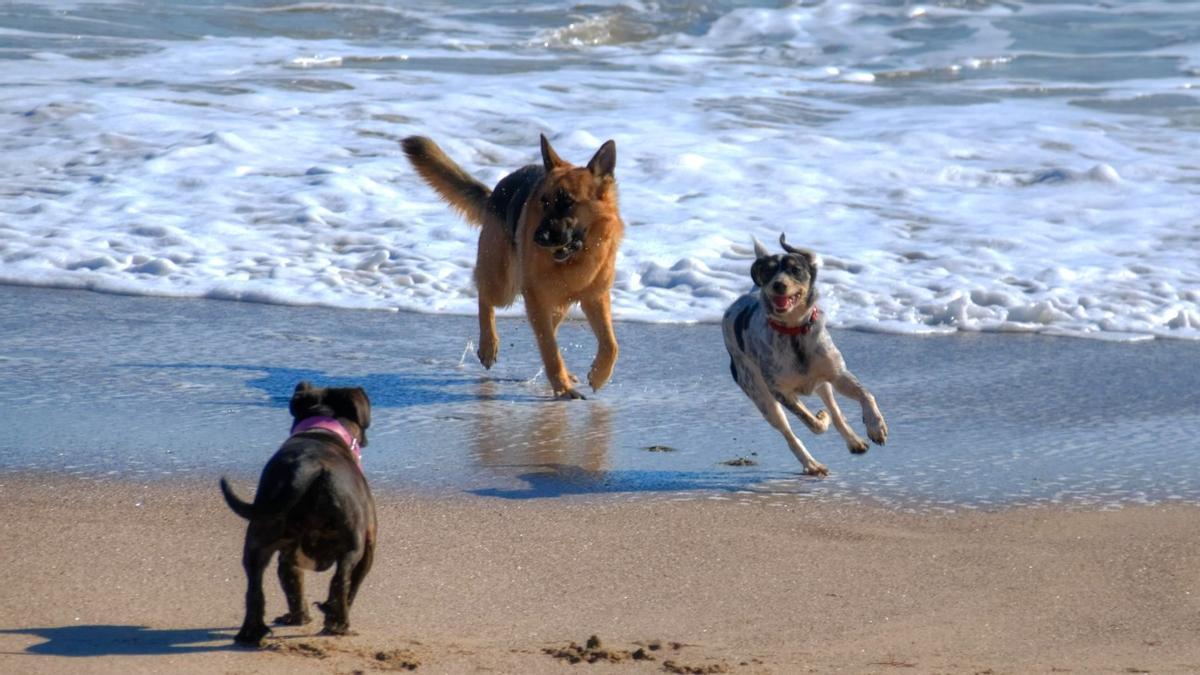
(111, 640)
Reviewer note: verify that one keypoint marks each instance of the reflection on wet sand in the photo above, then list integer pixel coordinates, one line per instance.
(556, 435)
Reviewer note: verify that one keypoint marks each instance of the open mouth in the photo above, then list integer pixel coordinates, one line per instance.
(782, 304)
(567, 250)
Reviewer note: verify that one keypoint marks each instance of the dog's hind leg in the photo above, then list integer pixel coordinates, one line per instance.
(291, 578)
(495, 281)
(774, 414)
(817, 423)
(337, 606)
(254, 560)
(849, 386)
(854, 442)
(360, 571)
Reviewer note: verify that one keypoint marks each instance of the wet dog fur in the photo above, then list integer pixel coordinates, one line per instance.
(550, 233)
(779, 349)
(313, 506)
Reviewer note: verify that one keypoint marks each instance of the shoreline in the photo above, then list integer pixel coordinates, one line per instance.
(118, 577)
(146, 388)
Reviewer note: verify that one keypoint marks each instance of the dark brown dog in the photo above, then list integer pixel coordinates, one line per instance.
(314, 507)
(551, 233)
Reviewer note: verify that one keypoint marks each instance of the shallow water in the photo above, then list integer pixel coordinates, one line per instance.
(128, 388)
(1012, 166)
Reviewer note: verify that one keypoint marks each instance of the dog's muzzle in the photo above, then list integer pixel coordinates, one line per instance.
(781, 304)
(560, 236)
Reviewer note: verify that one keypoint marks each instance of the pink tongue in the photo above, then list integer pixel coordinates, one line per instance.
(781, 301)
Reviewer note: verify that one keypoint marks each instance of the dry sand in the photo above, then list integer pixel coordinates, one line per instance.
(118, 577)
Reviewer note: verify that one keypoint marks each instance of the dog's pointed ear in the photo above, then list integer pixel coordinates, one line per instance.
(550, 158)
(760, 251)
(604, 162)
(303, 385)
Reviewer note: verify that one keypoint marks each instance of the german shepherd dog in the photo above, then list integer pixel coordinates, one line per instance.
(549, 232)
(314, 507)
(779, 349)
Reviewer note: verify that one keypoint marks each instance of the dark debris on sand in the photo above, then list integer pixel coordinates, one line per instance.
(593, 651)
(740, 461)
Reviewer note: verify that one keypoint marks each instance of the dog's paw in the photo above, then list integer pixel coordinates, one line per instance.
(570, 394)
(252, 636)
(293, 619)
(338, 629)
(878, 431)
(816, 469)
(856, 445)
(819, 423)
(598, 376)
(487, 352)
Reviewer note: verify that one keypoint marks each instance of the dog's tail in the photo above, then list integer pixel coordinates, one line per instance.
(466, 194)
(277, 493)
(243, 509)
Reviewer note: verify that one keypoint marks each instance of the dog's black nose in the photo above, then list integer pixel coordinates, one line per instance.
(779, 287)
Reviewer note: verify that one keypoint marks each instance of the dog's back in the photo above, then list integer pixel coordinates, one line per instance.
(300, 468)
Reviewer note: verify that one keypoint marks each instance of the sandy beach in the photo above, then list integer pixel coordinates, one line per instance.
(118, 577)
(1001, 530)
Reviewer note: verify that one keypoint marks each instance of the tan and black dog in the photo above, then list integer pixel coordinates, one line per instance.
(549, 232)
(313, 506)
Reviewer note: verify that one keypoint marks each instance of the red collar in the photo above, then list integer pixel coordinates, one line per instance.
(802, 329)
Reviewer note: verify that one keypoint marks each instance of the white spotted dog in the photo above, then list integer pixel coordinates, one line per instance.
(779, 349)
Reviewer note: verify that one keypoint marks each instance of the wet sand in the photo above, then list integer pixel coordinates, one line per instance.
(117, 577)
(1037, 507)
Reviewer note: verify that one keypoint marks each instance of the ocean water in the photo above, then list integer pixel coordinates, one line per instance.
(964, 165)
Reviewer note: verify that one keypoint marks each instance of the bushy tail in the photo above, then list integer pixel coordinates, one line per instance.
(466, 194)
(243, 509)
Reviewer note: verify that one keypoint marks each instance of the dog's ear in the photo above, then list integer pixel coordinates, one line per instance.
(305, 399)
(351, 403)
(550, 158)
(362, 410)
(760, 251)
(604, 162)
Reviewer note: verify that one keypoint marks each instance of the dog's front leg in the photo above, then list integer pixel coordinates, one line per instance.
(817, 423)
(291, 578)
(542, 318)
(850, 387)
(854, 442)
(489, 341)
(774, 414)
(598, 310)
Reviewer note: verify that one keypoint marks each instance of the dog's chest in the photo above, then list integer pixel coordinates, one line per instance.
(787, 361)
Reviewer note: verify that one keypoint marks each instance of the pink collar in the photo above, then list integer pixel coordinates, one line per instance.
(334, 427)
(802, 329)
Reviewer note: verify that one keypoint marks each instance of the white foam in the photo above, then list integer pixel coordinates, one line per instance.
(267, 168)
